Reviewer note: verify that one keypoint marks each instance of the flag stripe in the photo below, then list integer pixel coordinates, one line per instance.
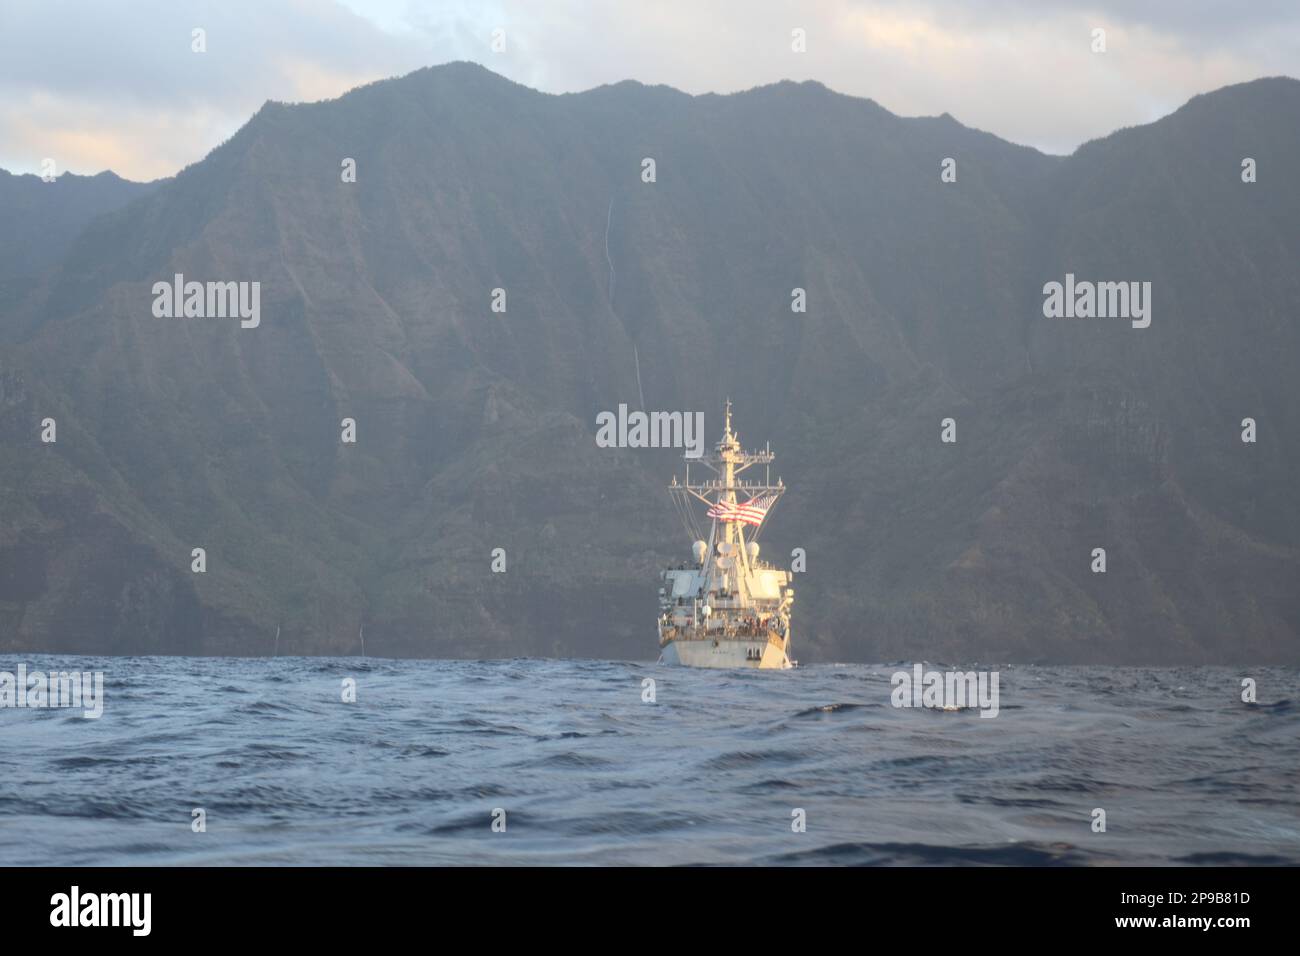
(750, 512)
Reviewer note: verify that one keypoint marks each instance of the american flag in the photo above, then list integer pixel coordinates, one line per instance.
(752, 511)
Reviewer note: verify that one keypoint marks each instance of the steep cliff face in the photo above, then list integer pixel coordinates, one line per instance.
(475, 427)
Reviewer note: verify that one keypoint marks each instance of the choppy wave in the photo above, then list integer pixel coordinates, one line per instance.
(714, 771)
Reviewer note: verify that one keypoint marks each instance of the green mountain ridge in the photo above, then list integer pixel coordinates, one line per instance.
(476, 429)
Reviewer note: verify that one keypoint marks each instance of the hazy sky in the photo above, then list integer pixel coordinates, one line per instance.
(114, 84)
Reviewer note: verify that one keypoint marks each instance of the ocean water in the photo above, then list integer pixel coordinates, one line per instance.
(587, 772)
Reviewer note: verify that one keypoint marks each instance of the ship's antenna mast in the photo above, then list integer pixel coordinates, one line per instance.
(726, 462)
(729, 474)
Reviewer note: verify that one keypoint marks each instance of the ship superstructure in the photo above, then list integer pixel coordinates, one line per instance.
(726, 608)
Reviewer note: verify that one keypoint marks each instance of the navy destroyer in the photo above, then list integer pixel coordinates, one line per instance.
(726, 608)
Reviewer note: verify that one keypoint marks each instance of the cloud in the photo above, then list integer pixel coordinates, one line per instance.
(98, 85)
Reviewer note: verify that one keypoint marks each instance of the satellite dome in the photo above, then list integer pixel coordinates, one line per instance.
(752, 548)
(699, 549)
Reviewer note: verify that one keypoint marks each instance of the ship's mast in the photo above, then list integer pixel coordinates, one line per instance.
(727, 450)
(727, 462)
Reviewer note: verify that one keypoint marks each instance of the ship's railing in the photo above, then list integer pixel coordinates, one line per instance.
(701, 633)
(738, 484)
